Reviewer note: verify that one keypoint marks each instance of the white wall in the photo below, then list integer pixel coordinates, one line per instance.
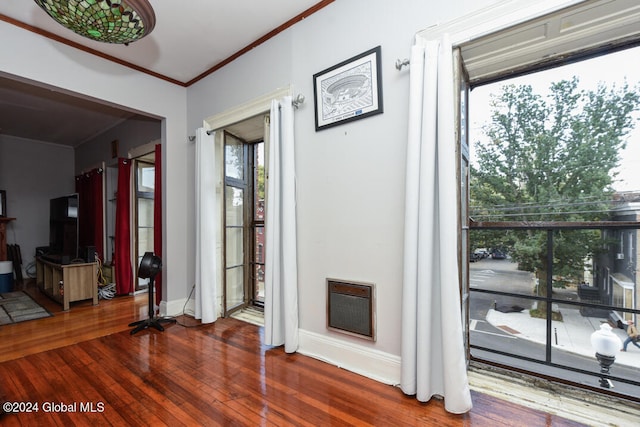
(350, 178)
(129, 134)
(32, 173)
(71, 70)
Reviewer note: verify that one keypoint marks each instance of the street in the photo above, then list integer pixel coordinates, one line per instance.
(502, 275)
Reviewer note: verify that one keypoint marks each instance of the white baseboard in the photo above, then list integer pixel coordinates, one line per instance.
(182, 306)
(362, 360)
(175, 307)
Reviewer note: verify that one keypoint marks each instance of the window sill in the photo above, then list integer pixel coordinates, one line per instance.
(557, 399)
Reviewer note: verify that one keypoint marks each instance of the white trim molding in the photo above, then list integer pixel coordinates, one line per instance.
(144, 149)
(366, 361)
(245, 111)
(513, 36)
(495, 17)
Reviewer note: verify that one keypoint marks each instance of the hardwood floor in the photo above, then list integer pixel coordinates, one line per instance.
(83, 367)
(81, 323)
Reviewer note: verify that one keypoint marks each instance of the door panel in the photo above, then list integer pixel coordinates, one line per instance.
(235, 262)
(235, 236)
(144, 206)
(245, 180)
(461, 117)
(234, 287)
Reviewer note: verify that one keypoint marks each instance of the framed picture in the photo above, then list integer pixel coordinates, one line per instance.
(348, 91)
(3, 203)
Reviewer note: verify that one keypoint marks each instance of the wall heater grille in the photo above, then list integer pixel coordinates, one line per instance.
(350, 308)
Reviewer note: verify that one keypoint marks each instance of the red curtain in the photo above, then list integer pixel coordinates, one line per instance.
(157, 218)
(122, 258)
(90, 215)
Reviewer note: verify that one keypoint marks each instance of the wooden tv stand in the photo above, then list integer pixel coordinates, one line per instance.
(79, 281)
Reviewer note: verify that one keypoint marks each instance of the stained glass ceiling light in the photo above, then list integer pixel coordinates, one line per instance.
(109, 21)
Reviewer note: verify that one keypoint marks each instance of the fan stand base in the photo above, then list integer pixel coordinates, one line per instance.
(154, 322)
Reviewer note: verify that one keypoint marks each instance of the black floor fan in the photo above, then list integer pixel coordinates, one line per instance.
(149, 267)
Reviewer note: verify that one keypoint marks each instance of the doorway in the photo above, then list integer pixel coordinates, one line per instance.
(244, 210)
(249, 123)
(144, 185)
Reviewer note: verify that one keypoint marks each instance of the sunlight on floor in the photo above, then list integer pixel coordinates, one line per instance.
(250, 315)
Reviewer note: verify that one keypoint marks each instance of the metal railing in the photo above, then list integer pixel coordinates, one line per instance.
(582, 373)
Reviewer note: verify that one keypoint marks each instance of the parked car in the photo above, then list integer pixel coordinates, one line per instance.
(482, 253)
(498, 255)
(473, 257)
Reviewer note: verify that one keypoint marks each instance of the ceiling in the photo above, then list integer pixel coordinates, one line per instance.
(191, 39)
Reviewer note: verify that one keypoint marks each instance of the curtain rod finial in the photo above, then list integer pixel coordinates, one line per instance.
(298, 100)
(401, 63)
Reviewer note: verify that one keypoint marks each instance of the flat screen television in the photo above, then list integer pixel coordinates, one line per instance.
(63, 227)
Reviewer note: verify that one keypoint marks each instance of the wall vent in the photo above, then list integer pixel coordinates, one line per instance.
(350, 308)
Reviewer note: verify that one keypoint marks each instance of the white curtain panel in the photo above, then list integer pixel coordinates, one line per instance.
(207, 219)
(433, 353)
(281, 263)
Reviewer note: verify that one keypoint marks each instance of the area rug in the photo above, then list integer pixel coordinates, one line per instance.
(18, 307)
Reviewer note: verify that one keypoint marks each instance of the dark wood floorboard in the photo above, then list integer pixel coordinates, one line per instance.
(210, 375)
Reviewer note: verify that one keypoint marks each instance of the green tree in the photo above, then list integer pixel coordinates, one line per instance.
(260, 182)
(551, 159)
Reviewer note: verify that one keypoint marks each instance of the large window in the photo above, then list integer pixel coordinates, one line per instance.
(554, 212)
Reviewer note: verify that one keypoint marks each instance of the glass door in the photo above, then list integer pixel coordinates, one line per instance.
(463, 156)
(144, 195)
(244, 194)
(235, 236)
(259, 175)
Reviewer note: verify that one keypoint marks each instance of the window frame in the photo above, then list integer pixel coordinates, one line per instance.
(616, 30)
(140, 284)
(250, 223)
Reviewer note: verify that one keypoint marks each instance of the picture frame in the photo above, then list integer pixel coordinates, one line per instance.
(348, 91)
(3, 204)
